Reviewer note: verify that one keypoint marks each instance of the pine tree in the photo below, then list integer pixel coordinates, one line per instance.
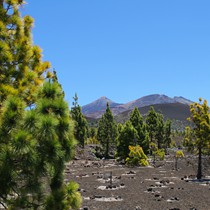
(138, 123)
(107, 131)
(127, 137)
(167, 134)
(159, 134)
(81, 126)
(151, 122)
(21, 66)
(36, 145)
(200, 116)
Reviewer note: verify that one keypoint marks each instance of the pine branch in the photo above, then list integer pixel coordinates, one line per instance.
(3, 205)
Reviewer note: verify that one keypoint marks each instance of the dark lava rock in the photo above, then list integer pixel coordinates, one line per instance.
(98, 196)
(131, 172)
(149, 189)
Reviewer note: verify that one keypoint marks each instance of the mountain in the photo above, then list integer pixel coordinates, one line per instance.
(149, 100)
(97, 108)
(176, 112)
(182, 100)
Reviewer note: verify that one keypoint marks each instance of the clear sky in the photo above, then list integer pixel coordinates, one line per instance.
(125, 49)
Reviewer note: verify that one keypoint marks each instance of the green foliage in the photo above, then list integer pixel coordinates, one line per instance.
(69, 195)
(179, 154)
(35, 143)
(200, 116)
(136, 156)
(127, 136)
(151, 122)
(92, 140)
(138, 123)
(34, 147)
(153, 147)
(189, 139)
(160, 153)
(21, 67)
(107, 132)
(81, 126)
(167, 134)
(159, 133)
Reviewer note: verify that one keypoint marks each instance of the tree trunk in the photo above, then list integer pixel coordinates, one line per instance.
(107, 149)
(199, 172)
(176, 163)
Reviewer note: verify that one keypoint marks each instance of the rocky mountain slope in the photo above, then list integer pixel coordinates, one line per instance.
(97, 108)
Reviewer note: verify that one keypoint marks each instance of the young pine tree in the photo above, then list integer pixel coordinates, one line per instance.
(152, 123)
(167, 134)
(107, 132)
(159, 134)
(80, 123)
(200, 116)
(127, 137)
(138, 123)
(37, 144)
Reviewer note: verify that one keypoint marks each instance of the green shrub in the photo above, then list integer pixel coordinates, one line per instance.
(160, 153)
(136, 156)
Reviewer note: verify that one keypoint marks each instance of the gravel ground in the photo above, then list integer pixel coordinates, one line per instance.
(108, 185)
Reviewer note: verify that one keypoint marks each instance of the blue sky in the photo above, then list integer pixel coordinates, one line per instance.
(125, 49)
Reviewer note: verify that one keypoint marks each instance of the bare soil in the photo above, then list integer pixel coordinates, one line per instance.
(109, 185)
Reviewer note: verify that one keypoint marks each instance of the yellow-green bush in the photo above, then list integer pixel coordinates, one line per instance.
(136, 156)
(160, 153)
(179, 154)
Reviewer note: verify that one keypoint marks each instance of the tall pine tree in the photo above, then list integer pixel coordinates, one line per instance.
(200, 116)
(34, 148)
(81, 126)
(107, 132)
(127, 137)
(35, 143)
(151, 122)
(159, 134)
(138, 123)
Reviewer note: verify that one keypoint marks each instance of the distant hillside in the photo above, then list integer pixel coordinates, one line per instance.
(98, 107)
(176, 112)
(149, 100)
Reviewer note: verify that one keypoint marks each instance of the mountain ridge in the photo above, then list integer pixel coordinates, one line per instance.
(96, 108)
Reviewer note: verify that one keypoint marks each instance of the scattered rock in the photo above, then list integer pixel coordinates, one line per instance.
(172, 199)
(131, 172)
(150, 189)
